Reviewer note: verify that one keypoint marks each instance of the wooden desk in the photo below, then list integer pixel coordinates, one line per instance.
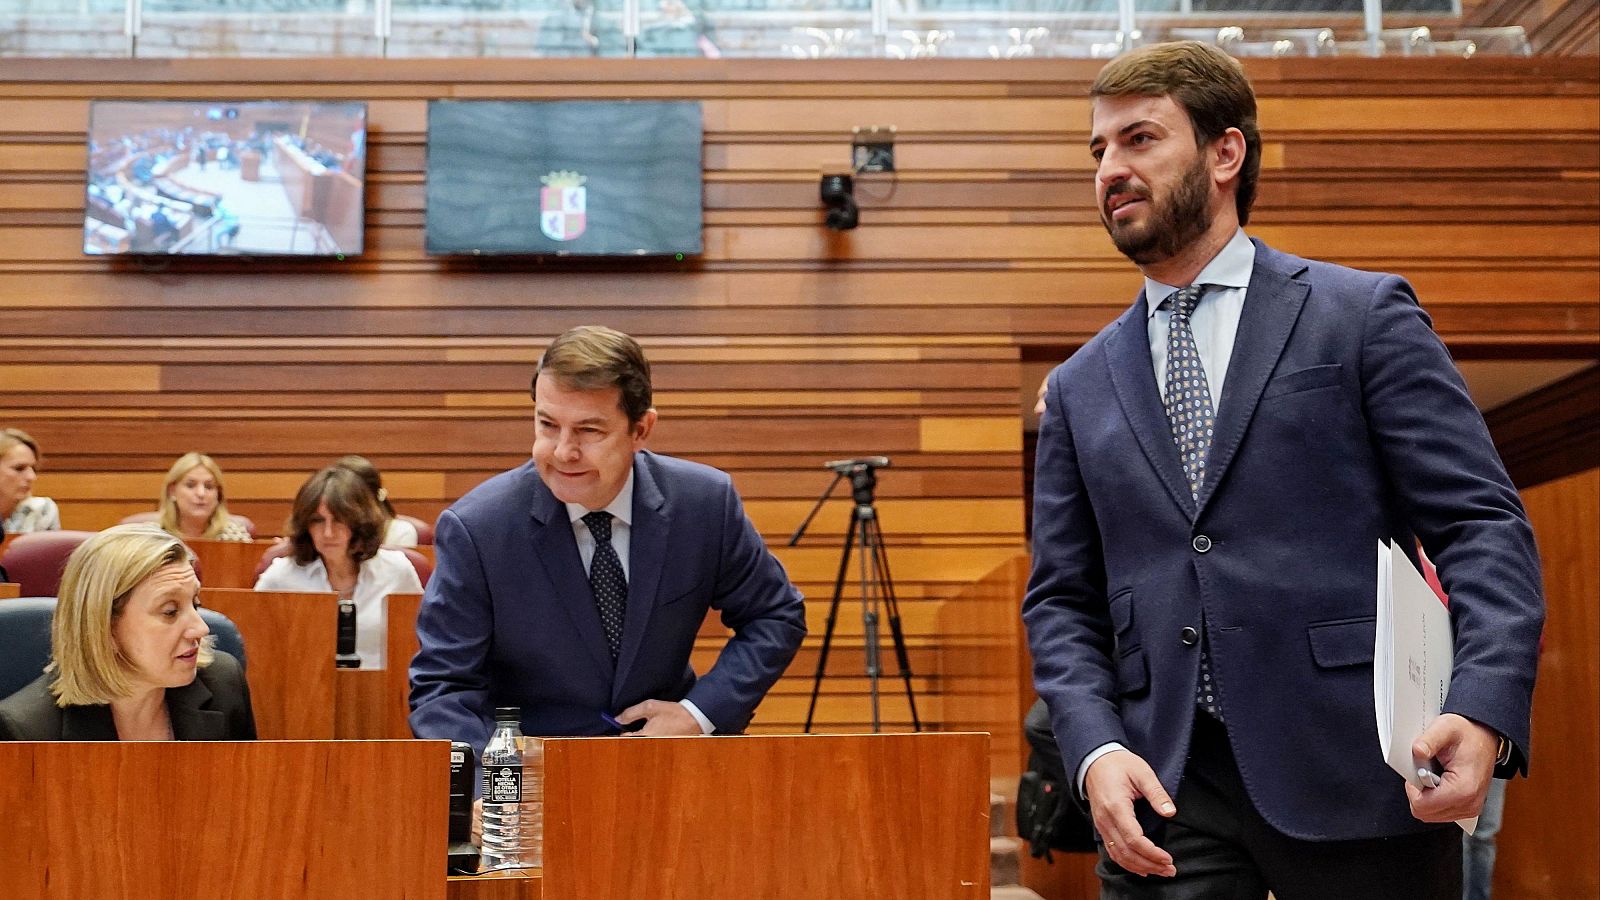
(273, 820)
(526, 885)
(295, 689)
(288, 645)
(228, 564)
(847, 817)
(10, 590)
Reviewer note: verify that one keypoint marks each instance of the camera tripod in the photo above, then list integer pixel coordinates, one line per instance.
(865, 538)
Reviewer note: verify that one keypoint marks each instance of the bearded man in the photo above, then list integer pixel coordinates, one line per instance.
(1214, 475)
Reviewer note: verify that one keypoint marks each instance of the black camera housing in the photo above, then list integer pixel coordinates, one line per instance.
(838, 195)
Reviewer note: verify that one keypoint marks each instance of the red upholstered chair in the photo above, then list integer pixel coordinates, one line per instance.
(418, 561)
(424, 529)
(271, 553)
(36, 560)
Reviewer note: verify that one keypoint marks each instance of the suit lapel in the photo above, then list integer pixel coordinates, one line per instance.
(190, 720)
(647, 554)
(557, 551)
(88, 723)
(1272, 305)
(1134, 379)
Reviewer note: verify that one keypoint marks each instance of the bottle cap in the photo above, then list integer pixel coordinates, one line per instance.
(508, 714)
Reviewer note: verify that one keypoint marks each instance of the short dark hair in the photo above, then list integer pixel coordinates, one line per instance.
(1211, 87)
(350, 502)
(594, 357)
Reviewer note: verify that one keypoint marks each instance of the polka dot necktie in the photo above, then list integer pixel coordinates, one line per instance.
(606, 580)
(1191, 417)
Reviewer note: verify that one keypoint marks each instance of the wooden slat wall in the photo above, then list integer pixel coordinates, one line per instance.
(1550, 838)
(785, 344)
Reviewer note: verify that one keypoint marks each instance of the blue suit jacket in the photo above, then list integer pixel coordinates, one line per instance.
(1342, 421)
(508, 618)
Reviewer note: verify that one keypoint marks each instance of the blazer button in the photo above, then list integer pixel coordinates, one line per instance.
(1189, 636)
(1201, 543)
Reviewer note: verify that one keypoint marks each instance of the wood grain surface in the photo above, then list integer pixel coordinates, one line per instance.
(265, 820)
(888, 817)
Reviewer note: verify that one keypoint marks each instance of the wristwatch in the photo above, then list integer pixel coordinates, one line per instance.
(1502, 755)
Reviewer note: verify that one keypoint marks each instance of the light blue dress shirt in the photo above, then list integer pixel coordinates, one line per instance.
(1215, 323)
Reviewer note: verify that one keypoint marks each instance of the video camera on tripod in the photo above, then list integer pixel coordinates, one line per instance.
(865, 535)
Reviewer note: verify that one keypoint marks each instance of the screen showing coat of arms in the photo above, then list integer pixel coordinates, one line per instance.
(259, 177)
(581, 178)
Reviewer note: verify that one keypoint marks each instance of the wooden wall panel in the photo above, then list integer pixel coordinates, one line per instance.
(784, 345)
(1549, 843)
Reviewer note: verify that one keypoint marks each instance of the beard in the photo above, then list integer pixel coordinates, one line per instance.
(1174, 223)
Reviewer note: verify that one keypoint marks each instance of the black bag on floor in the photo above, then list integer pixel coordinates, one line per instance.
(1049, 817)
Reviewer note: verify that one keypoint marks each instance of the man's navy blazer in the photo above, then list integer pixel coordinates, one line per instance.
(508, 618)
(1342, 421)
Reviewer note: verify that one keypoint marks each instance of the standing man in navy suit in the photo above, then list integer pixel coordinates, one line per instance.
(1214, 474)
(573, 586)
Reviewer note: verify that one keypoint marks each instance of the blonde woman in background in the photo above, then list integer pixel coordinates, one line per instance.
(20, 511)
(193, 505)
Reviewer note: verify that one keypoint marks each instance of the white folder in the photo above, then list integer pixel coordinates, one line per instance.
(1411, 662)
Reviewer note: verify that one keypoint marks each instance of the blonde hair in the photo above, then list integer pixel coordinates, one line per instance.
(13, 437)
(169, 505)
(89, 668)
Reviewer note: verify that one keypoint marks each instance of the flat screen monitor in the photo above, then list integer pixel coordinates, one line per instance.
(581, 178)
(268, 178)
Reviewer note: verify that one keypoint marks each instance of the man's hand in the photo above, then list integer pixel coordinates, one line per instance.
(1466, 750)
(477, 822)
(663, 718)
(1113, 782)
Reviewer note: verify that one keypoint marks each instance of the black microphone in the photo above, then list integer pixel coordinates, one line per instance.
(344, 647)
(845, 466)
(462, 855)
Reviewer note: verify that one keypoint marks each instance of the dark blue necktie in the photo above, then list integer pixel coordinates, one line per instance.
(607, 581)
(1190, 414)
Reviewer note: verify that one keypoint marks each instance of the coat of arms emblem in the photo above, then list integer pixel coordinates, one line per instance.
(563, 205)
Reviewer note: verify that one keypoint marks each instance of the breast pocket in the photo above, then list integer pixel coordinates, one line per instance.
(1302, 380)
(675, 593)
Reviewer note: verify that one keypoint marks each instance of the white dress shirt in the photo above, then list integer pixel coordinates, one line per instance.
(390, 572)
(621, 510)
(1215, 323)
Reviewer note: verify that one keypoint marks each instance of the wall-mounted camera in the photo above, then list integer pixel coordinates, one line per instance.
(838, 194)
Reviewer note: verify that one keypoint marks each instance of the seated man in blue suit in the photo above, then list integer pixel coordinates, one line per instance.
(573, 586)
(1215, 471)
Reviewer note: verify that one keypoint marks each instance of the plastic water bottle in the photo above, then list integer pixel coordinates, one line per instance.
(513, 795)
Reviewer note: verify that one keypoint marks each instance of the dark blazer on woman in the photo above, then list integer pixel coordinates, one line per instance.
(213, 707)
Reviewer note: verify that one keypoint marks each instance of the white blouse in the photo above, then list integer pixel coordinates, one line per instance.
(400, 534)
(33, 514)
(389, 572)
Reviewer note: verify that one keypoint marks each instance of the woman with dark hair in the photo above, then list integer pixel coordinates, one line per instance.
(131, 659)
(335, 535)
(396, 532)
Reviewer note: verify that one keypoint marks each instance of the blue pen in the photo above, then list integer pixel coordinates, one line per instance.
(619, 725)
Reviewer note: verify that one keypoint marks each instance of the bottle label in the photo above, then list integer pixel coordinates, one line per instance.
(502, 784)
